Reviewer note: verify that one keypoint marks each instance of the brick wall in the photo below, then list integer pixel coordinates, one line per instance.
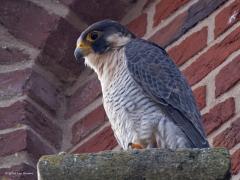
(48, 103)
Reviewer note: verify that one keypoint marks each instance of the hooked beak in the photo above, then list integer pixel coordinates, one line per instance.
(81, 51)
(78, 54)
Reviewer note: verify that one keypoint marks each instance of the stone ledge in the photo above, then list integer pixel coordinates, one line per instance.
(149, 164)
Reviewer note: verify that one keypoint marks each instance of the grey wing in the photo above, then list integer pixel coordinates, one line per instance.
(160, 79)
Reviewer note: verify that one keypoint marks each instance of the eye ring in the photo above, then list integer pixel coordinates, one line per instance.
(93, 36)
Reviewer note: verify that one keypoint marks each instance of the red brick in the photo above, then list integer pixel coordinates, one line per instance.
(147, 4)
(165, 8)
(229, 137)
(139, 25)
(200, 96)
(83, 96)
(185, 21)
(26, 21)
(103, 140)
(54, 35)
(12, 83)
(67, 2)
(235, 162)
(31, 83)
(22, 140)
(19, 172)
(42, 91)
(227, 77)
(21, 113)
(10, 55)
(222, 20)
(216, 55)
(189, 47)
(94, 10)
(218, 115)
(13, 142)
(88, 124)
(57, 53)
(169, 33)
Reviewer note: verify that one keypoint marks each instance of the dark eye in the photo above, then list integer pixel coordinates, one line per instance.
(93, 36)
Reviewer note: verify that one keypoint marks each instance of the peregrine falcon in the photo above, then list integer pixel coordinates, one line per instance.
(146, 98)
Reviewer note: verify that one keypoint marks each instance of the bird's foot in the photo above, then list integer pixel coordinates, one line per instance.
(62, 153)
(135, 146)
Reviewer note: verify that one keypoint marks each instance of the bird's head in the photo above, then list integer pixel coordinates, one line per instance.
(101, 37)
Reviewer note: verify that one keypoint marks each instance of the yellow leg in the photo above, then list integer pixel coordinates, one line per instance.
(135, 146)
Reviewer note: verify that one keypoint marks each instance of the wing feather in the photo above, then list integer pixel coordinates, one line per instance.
(160, 79)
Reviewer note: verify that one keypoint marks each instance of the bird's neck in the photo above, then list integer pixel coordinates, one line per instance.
(105, 65)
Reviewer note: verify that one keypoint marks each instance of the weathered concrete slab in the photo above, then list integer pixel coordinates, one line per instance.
(150, 164)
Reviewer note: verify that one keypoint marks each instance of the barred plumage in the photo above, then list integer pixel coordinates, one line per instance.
(146, 98)
(133, 115)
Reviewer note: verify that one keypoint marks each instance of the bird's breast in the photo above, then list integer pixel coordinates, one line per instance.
(125, 103)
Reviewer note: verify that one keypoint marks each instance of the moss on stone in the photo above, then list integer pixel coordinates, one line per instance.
(148, 164)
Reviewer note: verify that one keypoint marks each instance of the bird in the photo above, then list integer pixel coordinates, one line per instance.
(146, 98)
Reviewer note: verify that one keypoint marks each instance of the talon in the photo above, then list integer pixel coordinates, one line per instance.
(62, 153)
(135, 146)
